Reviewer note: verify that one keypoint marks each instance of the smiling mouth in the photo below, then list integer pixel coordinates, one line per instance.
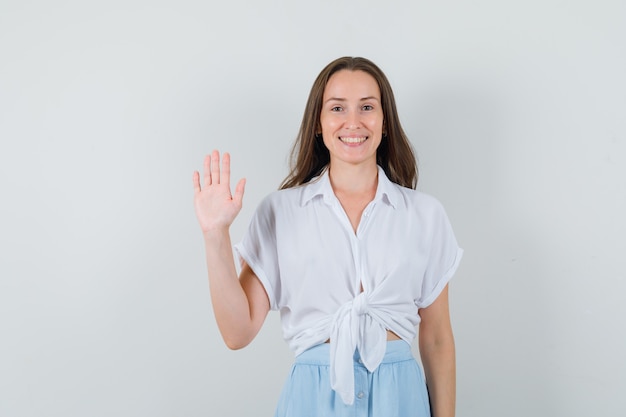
(353, 139)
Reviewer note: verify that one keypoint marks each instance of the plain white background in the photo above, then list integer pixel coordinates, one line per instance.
(517, 112)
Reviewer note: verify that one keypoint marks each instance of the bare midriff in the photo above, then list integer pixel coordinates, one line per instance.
(390, 336)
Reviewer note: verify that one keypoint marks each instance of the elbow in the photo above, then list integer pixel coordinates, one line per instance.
(437, 350)
(237, 334)
(438, 340)
(236, 343)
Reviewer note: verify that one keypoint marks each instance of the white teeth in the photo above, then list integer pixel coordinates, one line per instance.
(353, 140)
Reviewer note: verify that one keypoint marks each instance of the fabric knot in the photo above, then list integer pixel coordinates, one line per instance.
(356, 325)
(360, 305)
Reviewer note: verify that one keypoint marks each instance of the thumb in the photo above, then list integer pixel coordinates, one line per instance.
(239, 189)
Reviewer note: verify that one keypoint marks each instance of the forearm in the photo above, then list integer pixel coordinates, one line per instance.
(230, 303)
(438, 358)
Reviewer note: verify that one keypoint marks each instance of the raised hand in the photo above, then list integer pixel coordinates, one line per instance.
(215, 206)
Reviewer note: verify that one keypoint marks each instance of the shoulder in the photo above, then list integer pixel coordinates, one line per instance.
(406, 199)
(414, 200)
(281, 200)
(280, 210)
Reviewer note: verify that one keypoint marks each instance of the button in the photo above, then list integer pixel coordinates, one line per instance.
(360, 395)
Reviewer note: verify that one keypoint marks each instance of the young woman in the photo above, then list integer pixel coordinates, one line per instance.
(349, 253)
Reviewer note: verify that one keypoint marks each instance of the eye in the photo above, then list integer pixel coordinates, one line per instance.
(336, 108)
(368, 107)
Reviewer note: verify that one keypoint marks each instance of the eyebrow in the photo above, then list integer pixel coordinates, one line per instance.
(345, 99)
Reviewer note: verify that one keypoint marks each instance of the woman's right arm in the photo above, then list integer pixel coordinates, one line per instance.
(240, 303)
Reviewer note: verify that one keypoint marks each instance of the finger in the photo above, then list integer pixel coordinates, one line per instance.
(225, 173)
(239, 189)
(207, 171)
(215, 167)
(196, 182)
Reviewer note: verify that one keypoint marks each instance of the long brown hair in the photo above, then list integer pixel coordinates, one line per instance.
(309, 155)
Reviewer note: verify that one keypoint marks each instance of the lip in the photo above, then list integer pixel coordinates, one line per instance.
(353, 139)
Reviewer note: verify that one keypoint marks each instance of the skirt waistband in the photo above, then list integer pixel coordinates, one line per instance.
(397, 351)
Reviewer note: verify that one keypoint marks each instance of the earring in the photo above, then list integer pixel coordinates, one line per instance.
(318, 136)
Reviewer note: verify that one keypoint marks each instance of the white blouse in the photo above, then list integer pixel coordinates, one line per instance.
(303, 249)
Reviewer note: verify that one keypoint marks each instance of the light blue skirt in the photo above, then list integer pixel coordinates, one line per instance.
(395, 389)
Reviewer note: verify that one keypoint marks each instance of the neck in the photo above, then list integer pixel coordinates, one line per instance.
(353, 179)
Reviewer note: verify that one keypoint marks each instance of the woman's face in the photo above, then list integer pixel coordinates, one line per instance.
(352, 117)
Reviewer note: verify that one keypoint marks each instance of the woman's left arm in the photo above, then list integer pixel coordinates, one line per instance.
(436, 345)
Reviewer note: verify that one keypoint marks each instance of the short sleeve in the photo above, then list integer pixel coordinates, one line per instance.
(258, 249)
(443, 260)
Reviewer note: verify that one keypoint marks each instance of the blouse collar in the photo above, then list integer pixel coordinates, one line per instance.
(386, 190)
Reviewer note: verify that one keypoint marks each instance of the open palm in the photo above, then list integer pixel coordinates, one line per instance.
(215, 206)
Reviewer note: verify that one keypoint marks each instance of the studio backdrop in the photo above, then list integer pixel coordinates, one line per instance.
(516, 111)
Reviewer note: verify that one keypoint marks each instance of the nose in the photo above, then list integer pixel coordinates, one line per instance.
(353, 119)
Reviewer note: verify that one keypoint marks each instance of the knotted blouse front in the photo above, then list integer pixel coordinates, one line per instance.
(312, 264)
